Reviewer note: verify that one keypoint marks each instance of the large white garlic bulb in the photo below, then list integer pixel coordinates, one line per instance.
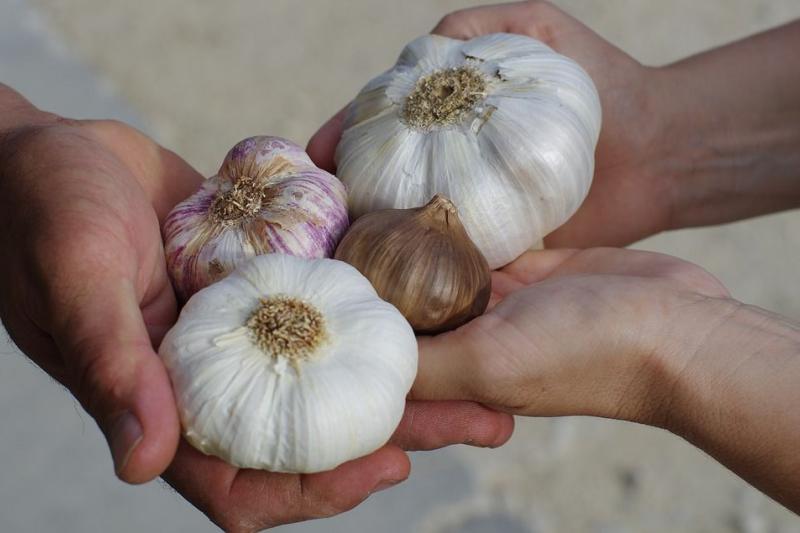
(501, 124)
(290, 365)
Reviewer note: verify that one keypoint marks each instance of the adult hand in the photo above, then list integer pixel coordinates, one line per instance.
(628, 199)
(635, 336)
(242, 500)
(571, 332)
(85, 294)
(712, 138)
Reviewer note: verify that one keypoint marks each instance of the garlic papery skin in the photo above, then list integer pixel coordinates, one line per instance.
(267, 197)
(421, 261)
(501, 125)
(290, 365)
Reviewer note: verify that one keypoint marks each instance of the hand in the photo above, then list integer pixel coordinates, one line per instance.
(628, 200)
(250, 500)
(635, 336)
(85, 294)
(575, 333)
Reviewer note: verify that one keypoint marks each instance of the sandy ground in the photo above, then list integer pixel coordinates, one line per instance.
(199, 76)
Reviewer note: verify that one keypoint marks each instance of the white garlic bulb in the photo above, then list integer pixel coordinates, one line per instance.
(290, 365)
(267, 197)
(501, 124)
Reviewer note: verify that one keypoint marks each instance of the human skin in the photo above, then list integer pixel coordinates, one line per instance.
(636, 336)
(85, 294)
(710, 139)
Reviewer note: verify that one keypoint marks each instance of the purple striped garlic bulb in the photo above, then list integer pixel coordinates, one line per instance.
(267, 197)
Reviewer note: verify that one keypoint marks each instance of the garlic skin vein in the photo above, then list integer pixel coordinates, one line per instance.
(267, 197)
(422, 262)
(341, 398)
(501, 124)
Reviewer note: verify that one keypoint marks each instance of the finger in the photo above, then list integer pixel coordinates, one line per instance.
(502, 285)
(343, 488)
(450, 367)
(476, 21)
(250, 500)
(322, 145)
(531, 267)
(118, 378)
(430, 425)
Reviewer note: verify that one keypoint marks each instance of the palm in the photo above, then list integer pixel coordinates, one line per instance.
(595, 296)
(87, 297)
(134, 182)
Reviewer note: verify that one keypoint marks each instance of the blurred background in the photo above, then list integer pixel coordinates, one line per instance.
(199, 77)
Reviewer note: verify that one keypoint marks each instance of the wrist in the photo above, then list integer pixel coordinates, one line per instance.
(734, 397)
(677, 359)
(687, 153)
(728, 141)
(718, 367)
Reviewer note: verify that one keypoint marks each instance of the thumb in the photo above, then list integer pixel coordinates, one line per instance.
(450, 368)
(119, 379)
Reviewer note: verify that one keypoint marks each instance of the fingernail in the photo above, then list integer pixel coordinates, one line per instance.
(125, 435)
(385, 484)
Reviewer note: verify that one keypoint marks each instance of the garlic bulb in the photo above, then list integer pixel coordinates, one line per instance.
(501, 124)
(290, 365)
(267, 197)
(421, 261)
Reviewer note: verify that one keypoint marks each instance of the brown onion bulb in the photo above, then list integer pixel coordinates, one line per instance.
(423, 262)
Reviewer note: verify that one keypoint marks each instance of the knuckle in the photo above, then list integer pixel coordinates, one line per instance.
(449, 21)
(116, 132)
(536, 19)
(69, 122)
(113, 124)
(457, 24)
(538, 7)
(108, 126)
(529, 12)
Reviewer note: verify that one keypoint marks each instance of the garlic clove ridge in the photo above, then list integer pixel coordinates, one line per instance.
(342, 399)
